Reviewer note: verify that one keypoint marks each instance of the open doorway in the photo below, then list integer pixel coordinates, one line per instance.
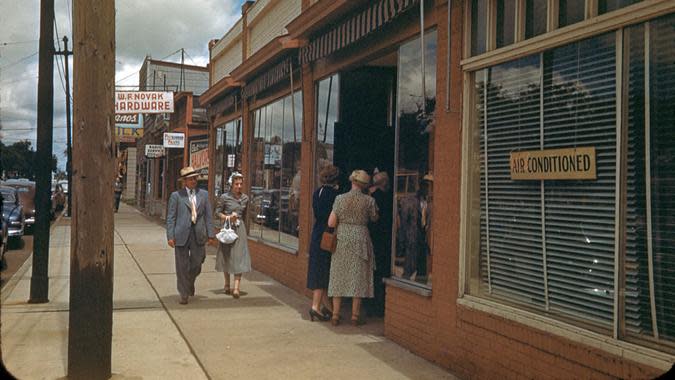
(356, 130)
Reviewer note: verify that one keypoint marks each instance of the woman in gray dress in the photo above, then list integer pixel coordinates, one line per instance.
(233, 258)
(352, 263)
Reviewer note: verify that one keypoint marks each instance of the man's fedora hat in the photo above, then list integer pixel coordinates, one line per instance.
(188, 172)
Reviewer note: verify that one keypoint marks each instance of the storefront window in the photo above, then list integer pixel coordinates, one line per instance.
(275, 171)
(413, 183)
(536, 12)
(553, 245)
(570, 12)
(328, 91)
(605, 6)
(227, 154)
(478, 26)
(506, 22)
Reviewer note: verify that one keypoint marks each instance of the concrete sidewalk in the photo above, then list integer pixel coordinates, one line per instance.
(265, 334)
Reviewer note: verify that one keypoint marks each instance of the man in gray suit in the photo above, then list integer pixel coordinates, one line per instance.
(189, 227)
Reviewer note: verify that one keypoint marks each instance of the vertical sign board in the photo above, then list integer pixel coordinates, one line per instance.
(199, 153)
(174, 140)
(554, 164)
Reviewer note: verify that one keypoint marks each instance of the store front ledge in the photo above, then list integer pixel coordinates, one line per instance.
(623, 349)
(283, 248)
(396, 283)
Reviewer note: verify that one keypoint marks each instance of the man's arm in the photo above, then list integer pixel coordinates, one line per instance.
(209, 218)
(171, 217)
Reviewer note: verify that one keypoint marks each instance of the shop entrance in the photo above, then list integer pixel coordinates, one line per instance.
(364, 134)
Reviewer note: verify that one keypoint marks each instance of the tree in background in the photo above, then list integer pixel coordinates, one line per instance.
(18, 160)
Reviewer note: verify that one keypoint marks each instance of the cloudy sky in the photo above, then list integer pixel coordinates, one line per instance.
(158, 28)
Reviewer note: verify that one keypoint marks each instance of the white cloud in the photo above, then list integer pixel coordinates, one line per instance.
(150, 27)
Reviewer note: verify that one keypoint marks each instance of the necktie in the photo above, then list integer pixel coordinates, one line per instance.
(193, 207)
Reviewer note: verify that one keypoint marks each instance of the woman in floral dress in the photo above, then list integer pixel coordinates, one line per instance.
(353, 263)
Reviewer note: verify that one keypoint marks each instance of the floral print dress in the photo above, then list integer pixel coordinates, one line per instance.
(353, 263)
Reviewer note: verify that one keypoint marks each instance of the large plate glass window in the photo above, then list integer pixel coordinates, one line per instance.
(275, 171)
(227, 154)
(328, 94)
(413, 183)
(552, 246)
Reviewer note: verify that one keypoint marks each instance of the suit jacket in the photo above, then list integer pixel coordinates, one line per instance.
(179, 217)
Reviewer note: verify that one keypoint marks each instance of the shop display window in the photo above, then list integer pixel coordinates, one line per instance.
(227, 154)
(597, 253)
(328, 93)
(413, 184)
(275, 171)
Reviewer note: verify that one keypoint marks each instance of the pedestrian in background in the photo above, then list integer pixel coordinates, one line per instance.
(118, 192)
(380, 233)
(352, 263)
(233, 258)
(318, 269)
(189, 227)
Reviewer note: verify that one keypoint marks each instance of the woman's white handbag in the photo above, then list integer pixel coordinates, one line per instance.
(227, 234)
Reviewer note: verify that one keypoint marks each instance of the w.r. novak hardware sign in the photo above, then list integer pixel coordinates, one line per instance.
(558, 164)
(143, 102)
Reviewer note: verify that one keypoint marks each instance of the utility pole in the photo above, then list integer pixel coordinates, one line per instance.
(39, 282)
(69, 169)
(94, 159)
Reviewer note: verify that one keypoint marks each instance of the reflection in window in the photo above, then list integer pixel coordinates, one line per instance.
(227, 154)
(275, 171)
(478, 26)
(605, 6)
(506, 22)
(414, 178)
(328, 91)
(570, 12)
(535, 17)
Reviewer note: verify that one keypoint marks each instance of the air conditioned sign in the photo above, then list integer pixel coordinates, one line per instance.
(143, 102)
(154, 151)
(554, 164)
(174, 140)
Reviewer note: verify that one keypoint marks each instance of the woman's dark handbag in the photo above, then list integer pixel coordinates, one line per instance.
(328, 240)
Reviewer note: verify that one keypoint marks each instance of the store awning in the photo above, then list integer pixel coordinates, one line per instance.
(353, 29)
(268, 78)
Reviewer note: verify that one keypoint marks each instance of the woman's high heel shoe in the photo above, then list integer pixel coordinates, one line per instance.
(235, 293)
(335, 320)
(356, 321)
(326, 313)
(315, 314)
(227, 290)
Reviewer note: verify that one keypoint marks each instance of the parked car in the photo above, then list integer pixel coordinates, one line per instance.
(26, 190)
(12, 213)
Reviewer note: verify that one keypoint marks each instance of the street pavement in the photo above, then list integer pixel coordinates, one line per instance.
(266, 334)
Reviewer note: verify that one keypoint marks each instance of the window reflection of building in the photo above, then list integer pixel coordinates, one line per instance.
(414, 154)
(275, 171)
(328, 91)
(227, 154)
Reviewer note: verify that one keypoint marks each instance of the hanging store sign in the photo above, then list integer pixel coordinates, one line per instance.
(129, 118)
(199, 153)
(554, 164)
(128, 135)
(174, 140)
(127, 102)
(154, 151)
(230, 160)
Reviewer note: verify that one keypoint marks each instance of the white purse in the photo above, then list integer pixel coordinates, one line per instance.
(227, 234)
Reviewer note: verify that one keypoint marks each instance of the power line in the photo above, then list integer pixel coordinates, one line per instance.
(19, 61)
(17, 42)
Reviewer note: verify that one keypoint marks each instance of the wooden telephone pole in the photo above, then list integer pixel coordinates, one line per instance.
(94, 158)
(39, 282)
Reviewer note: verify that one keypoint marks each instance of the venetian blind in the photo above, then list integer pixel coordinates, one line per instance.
(580, 110)
(511, 236)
